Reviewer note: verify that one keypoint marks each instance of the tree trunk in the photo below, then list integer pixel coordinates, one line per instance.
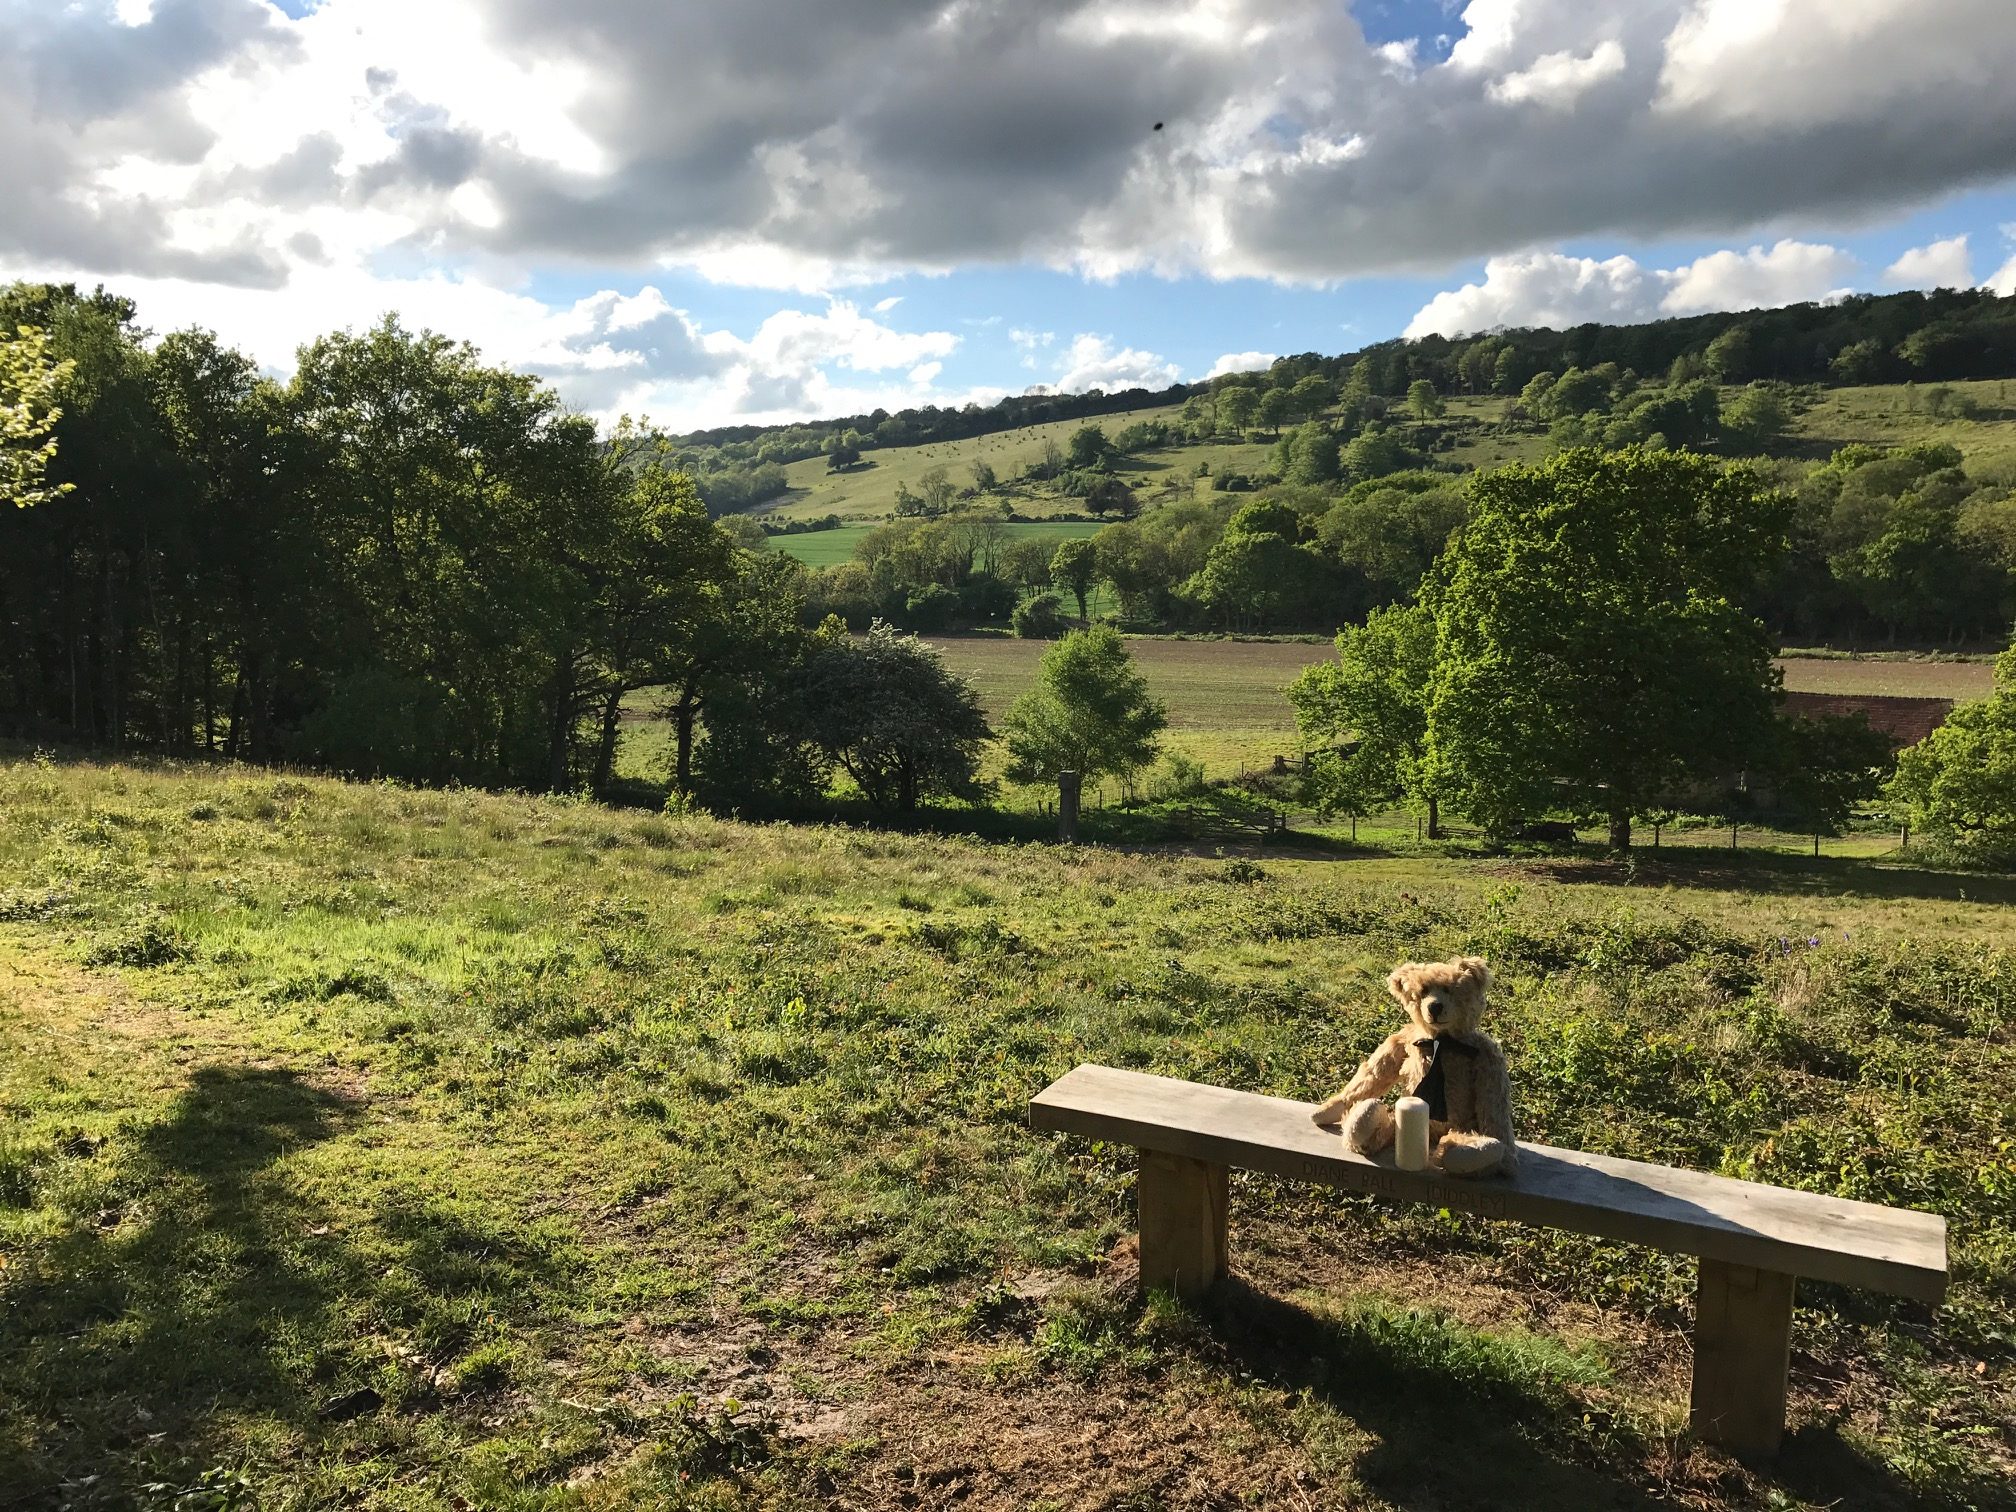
(1069, 785)
(1434, 817)
(605, 747)
(683, 715)
(1620, 832)
(559, 733)
(234, 742)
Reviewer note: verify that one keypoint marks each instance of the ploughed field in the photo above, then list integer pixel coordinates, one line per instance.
(381, 1148)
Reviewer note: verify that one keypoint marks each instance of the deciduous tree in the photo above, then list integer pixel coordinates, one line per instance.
(902, 725)
(1090, 713)
(1364, 716)
(1592, 653)
(1075, 565)
(29, 380)
(1959, 782)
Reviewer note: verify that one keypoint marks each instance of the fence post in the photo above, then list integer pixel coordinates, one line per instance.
(1904, 838)
(1816, 844)
(1732, 837)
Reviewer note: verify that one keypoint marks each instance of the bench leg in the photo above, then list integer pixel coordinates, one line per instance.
(1742, 1347)
(1182, 1205)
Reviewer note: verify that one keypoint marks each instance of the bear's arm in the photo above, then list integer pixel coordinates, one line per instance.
(1494, 1099)
(1375, 1076)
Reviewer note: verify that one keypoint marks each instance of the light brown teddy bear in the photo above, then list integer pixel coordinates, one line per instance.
(1443, 1058)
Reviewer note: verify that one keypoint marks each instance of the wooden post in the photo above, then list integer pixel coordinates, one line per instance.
(1816, 843)
(1068, 787)
(1732, 837)
(1182, 1203)
(1742, 1350)
(1904, 837)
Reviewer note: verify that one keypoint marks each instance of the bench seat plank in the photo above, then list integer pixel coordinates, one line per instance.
(1891, 1250)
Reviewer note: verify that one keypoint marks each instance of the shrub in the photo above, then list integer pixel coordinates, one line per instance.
(1040, 618)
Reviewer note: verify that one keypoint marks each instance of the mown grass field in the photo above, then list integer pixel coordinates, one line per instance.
(828, 548)
(375, 1148)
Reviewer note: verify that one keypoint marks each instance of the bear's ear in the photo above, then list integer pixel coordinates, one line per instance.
(1475, 970)
(1403, 984)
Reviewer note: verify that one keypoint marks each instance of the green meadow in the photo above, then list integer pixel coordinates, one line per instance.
(379, 1148)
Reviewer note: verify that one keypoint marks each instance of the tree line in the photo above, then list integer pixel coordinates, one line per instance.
(405, 563)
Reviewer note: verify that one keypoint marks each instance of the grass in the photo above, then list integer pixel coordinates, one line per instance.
(389, 1149)
(829, 548)
(1893, 415)
(868, 492)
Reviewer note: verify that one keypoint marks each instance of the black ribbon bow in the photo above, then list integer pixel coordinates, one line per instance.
(1433, 1088)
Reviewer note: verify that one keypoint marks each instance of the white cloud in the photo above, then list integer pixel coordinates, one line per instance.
(1241, 362)
(208, 137)
(1401, 59)
(1552, 289)
(2003, 280)
(1810, 63)
(1094, 362)
(1941, 265)
(926, 373)
(1541, 289)
(884, 306)
(1030, 340)
(1785, 273)
(1558, 79)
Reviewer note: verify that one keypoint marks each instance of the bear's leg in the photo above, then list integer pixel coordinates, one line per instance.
(1466, 1154)
(1368, 1128)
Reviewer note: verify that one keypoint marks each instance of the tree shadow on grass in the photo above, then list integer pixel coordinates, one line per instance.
(1793, 876)
(1463, 1427)
(167, 1303)
(1483, 1437)
(204, 1296)
(1821, 1468)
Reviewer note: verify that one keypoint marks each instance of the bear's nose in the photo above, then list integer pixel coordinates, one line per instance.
(1434, 1008)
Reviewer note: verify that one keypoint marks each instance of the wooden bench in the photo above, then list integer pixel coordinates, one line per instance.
(1753, 1240)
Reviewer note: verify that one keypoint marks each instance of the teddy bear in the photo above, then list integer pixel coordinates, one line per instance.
(1443, 1057)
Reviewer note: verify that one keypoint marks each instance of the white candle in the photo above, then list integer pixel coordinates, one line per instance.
(1410, 1134)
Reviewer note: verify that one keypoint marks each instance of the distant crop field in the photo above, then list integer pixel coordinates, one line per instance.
(1893, 679)
(1226, 707)
(828, 548)
(1211, 684)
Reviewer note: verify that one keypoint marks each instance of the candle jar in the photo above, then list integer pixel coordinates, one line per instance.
(1410, 1134)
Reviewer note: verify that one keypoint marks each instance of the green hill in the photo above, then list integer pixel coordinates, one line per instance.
(1885, 415)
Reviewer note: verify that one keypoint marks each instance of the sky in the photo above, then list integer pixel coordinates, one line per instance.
(753, 211)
